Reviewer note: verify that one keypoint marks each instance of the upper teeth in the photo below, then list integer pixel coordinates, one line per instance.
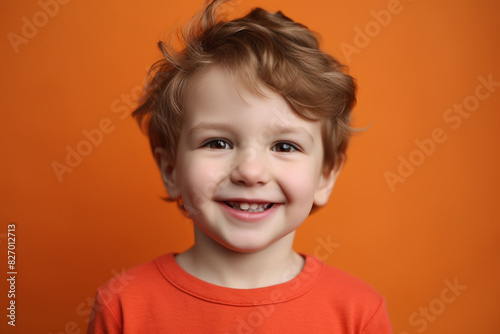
(253, 207)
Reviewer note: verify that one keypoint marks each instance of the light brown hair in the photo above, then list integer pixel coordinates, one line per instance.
(261, 48)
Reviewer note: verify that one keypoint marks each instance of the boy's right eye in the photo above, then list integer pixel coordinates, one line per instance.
(217, 144)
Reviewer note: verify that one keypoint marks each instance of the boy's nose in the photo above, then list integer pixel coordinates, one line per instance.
(250, 169)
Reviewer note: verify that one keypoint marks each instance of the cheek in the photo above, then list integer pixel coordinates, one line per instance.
(200, 179)
(304, 177)
(193, 191)
(300, 184)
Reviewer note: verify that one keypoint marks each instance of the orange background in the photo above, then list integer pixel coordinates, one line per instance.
(441, 223)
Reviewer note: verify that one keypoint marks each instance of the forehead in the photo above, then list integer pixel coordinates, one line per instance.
(216, 91)
(217, 82)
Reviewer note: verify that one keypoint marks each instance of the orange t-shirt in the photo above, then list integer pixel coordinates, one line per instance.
(160, 297)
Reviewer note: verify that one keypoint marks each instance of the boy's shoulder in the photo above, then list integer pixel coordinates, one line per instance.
(354, 300)
(138, 277)
(339, 279)
(336, 285)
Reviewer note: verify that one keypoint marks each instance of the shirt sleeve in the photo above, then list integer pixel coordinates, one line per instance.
(379, 322)
(105, 319)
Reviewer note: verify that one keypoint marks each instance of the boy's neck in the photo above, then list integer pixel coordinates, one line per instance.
(216, 264)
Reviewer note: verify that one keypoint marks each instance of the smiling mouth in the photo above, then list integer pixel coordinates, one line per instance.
(249, 207)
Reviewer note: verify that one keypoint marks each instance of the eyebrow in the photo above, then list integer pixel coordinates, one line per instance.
(208, 126)
(279, 130)
(283, 130)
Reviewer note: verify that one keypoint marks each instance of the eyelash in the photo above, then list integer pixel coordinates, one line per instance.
(291, 147)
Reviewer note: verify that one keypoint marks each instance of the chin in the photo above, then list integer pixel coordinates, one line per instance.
(245, 246)
(251, 243)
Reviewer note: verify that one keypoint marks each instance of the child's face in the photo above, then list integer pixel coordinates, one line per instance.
(248, 168)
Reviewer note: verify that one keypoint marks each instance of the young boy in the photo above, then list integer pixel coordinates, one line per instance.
(249, 124)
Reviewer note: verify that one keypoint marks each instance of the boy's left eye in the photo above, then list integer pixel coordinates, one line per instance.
(284, 147)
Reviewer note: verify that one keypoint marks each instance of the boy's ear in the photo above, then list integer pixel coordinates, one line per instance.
(327, 182)
(168, 173)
